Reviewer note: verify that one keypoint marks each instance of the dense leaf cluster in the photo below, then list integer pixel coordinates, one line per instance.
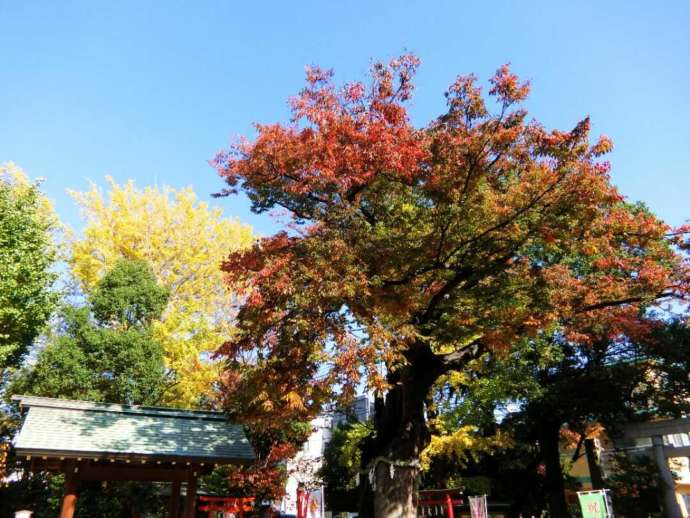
(414, 252)
(106, 351)
(27, 254)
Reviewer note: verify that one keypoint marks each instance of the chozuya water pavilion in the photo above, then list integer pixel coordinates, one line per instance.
(90, 441)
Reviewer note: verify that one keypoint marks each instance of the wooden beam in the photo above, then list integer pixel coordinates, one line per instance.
(190, 497)
(58, 455)
(131, 473)
(174, 505)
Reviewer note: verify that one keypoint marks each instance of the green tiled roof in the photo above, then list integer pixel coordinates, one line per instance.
(80, 428)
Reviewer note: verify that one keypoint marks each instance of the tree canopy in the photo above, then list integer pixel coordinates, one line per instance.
(184, 241)
(27, 255)
(415, 251)
(106, 351)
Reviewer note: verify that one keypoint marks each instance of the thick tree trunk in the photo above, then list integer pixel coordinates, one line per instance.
(555, 488)
(401, 435)
(401, 429)
(395, 495)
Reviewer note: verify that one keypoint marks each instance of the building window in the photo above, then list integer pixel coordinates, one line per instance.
(677, 439)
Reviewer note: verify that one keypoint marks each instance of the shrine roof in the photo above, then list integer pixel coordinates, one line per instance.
(67, 428)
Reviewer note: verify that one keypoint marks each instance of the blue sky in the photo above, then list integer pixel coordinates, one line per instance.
(150, 90)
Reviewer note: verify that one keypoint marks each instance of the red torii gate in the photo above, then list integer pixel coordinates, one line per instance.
(226, 505)
(442, 500)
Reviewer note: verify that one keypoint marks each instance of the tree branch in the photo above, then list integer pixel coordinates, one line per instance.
(459, 359)
(577, 453)
(621, 302)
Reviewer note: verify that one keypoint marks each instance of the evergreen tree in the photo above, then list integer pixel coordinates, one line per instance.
(105, 351)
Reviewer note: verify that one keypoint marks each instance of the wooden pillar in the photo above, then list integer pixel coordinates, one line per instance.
(449, 506)
(190, 499)
(174, 504)
(69, 501)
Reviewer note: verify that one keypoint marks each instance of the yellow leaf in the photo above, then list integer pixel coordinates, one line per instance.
(185, 242)
(293, 401)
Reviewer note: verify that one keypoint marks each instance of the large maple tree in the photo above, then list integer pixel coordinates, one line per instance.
(414, 251)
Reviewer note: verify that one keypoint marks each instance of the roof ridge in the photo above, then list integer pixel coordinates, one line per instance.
(76, 404)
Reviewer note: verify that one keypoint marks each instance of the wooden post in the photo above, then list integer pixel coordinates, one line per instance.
(594, 469)
(449, 506)
(174, 504)
(69, 501)
(190, 499)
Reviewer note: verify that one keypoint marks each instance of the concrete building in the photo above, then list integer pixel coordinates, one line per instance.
(303, 468)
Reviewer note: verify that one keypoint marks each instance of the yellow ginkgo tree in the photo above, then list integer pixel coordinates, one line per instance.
(185, 240)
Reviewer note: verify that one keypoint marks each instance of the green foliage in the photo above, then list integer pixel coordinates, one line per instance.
(26, 492)
(112, 357)
(343, 456)
(62, 369)
(472, 485)
(129, 295)
(98, 365)
(667, 390)
(635, 483)
(342, 462)
(551, 382)
(494, 385)
(467, 420)
(120, 499)
(42, 493)
(216, 483)
(27, 254)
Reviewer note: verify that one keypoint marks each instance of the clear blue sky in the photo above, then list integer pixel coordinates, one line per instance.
(150, 90)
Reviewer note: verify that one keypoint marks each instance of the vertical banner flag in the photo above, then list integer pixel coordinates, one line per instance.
(315, 505)
(478, 507)
(595, 504)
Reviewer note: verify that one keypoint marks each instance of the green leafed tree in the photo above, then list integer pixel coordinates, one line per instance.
(106, 351)
(27, 255)
(341, 467)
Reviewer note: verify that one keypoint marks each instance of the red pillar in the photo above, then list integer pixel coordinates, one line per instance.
(449, 505)
(300, 496)
(69, 501)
